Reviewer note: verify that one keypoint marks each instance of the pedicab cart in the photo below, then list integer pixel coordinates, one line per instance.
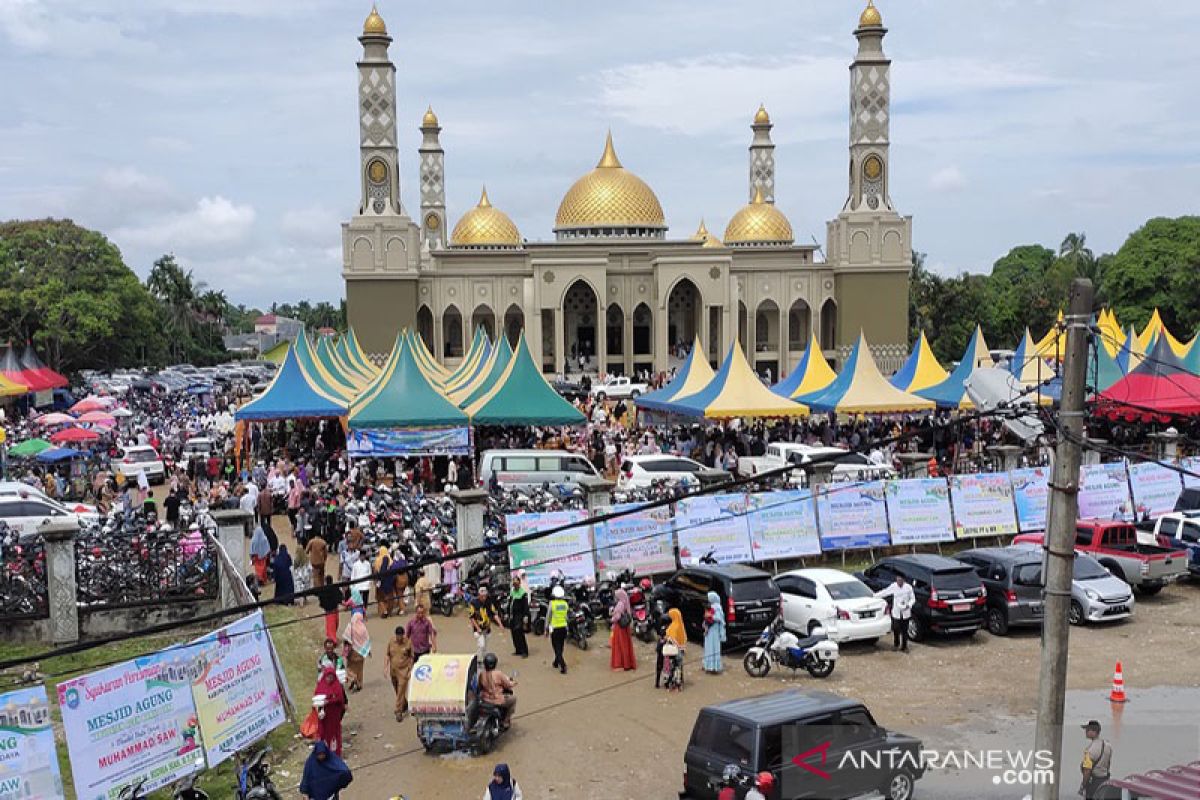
(443, 699)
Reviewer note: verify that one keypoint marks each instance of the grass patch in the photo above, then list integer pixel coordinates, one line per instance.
(297, 645)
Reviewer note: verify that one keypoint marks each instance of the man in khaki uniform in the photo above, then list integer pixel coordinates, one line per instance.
(398, 665)
(1097, 762)
(317, 552)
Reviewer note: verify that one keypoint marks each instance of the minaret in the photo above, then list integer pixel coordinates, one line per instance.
(377, 121)
(381, 246)
(762, 157)
(868, 244)
(870, 109)
(433, 182)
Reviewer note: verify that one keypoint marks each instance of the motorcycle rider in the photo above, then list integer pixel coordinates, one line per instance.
(556, 626)
(497, 688)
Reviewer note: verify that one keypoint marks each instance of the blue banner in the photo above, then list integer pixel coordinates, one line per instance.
(1031, 491)
(853, 516)
(389, 442)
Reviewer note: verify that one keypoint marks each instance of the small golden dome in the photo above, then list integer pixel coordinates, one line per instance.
(485, 226)
(430, 119)
(609, 196)
(702, 234)
(759, 222)
(761, 117)
(374, 24)
(870, 17)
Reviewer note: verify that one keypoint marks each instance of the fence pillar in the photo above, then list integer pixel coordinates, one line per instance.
(61, 583)
(819, 474)
(598, 492)
(914, 465)
(1166, 444)
(1091, 452)
(233, 527)
(468, 517)
(1008, 456)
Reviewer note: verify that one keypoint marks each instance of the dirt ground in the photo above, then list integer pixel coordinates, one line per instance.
(595, 733)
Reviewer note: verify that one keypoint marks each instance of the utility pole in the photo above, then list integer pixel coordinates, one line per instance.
(1060, 537)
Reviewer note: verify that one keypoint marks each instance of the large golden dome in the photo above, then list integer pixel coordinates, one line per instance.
(871, 18)
(609, 196)
(759, 222)
(374, 24)
(485, 226)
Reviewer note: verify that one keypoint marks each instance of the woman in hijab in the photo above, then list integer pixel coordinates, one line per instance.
(502, 787)
(621, 641)
(714, 634)
(330, 710)
(387, 582)
(325, 774)
(260, 548)
(518, 615)
(285, 587)
(676, 636)
(358, 647)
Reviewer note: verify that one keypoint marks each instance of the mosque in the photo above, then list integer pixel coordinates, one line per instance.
(613, 286)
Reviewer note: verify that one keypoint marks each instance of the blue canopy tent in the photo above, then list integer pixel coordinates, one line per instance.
(292, 394)
(693, 376)
(57, 455)
(952, 392)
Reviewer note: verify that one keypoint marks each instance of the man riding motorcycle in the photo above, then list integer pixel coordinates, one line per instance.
(496, 688)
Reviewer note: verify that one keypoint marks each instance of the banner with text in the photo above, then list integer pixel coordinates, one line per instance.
(783, 525)
(983, 505)
(852, 516)
(130, 722)
(1155, 489)
(713, 523)
(1031, 493)
(1192, 465)
(568, 550)
(237, 697)
(919, 511)
(642, 542)
(1104, 492)
(28, 758)
(386, 442)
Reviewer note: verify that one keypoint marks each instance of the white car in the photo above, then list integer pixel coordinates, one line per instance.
(834, 600)
(639, 472)
(23, 491)
(617, 388)
(27, 514)
(139, 458)
(199, 447)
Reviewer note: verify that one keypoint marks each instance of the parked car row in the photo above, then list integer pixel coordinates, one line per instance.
(181, 378)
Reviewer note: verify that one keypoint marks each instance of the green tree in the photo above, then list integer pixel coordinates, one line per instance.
(192, 315)
(1158, 266)
(67, 289)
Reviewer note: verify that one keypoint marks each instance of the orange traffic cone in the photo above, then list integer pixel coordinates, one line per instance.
(1117, 695)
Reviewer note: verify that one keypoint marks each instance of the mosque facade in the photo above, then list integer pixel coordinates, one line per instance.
(613, 286)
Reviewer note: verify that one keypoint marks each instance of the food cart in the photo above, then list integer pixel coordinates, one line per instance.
(442, 699)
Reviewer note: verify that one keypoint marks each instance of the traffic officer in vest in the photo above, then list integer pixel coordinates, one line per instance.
(556, 626)
(1097, 761)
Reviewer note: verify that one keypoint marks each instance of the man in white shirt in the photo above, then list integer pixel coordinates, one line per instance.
(903, 600)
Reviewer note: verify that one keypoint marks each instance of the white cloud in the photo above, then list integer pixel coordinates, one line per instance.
(42, 27)
(214, 222)
(948, 179)
(314, 225)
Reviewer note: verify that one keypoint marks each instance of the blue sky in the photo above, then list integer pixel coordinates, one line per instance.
(225, 130)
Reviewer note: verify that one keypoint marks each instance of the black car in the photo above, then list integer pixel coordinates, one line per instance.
(749, 598)
(950, 597)
(1013, 579)
(569, 389)
(847, 753)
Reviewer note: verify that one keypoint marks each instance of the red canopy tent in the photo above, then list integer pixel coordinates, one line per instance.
(31, 363)
(1158, 387)
(74, 435)
(10, 365)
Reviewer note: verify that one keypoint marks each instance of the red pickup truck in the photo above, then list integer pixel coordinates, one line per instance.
(1145, 567)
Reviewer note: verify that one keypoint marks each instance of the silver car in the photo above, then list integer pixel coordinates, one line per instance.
(1096, 594)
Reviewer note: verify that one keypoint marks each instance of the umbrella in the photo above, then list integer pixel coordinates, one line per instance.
(122, 412)
(57, 454)
(57, 418)
(92, 403)
(74, 435)
(98, 417)
(29, 447)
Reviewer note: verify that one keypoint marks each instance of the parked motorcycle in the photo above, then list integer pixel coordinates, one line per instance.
(642, 625)
(254, 777)
(186, 790)
(580, 625)
(133, 791)
(777, 645)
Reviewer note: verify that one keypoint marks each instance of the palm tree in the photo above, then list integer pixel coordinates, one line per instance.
(1075, 251)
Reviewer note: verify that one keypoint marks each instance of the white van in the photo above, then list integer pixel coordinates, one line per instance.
(533, 467)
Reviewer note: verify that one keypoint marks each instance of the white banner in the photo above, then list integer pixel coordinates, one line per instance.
(1155, 489)
(1031, 493)
(1104, 492)
(783, 525)
(919, 511)
(713, 524)
(1191, 464)
(642, 542)
(983, 505)
(28, 757)
(853, 516)
(569, 550)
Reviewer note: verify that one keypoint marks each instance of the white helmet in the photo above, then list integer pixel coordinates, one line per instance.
(558, 593)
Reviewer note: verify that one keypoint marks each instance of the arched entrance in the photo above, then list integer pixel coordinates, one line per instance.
(483, 317)
(614, 338)
(514, 323)
(684, 307)
(580, 319)
(452, 333)
(643, 337)
(425, 327)
(829, 324)
(799, 328)
(743, 326)
(766, 339)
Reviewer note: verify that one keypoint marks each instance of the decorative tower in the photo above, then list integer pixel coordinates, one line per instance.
(380, 244)
(762, 157)
(433, 183)
(869, 245)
